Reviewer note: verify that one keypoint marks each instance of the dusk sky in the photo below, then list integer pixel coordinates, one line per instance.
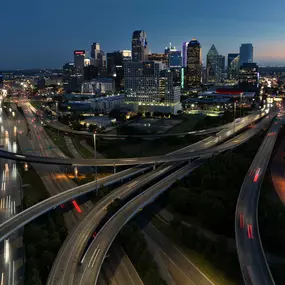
(38, 34)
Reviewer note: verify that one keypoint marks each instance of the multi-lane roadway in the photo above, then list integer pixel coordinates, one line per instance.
(252, 259)
(192, 151)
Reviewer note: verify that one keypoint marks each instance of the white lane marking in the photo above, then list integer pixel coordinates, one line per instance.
(95, 257)
(92, 256)
(2, 278)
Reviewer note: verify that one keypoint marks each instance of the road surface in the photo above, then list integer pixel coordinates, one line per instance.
(252, 259)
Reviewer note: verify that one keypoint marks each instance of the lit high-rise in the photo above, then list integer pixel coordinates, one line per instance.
(193, 74)
(246, 53)
(184, 54)
(233, 65)
(79, 57)
(139, 46)
(98, 57)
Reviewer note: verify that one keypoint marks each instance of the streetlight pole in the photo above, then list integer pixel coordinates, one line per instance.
(240, 104)
(235, 106)
(95, 157)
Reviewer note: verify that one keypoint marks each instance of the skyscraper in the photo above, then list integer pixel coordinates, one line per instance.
(139, 46)
(212, 65)
(98, 58)
(174, 59)
(95, 50)
(142, 81)
(249, 77)
(148, 88)
(193, 72)
(79, 56)
(233, 65)
(184, 54)
(115, 65)
(246, 54)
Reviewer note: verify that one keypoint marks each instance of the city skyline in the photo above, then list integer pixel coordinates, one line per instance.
(48, 38)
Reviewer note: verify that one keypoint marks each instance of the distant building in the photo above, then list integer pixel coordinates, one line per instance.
(246, 54)
(139, 46)
(193, 73)
(169, 49)
(212, 65)
(73, 83)
(98, 86)
(169, 89)
(159, 57)
(174, 59)
(79, 57)
(115, 66)
(1, 80)
(98, 58)
(249, 77)
(107, 103)
(215, 66)
(233, 65)
(147, 88)
(86, 62)
(90, 72)
(41, 83)
(184, 54)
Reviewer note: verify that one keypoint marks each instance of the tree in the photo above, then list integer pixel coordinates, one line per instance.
(175, 222)
(76, 125)
(92, 128)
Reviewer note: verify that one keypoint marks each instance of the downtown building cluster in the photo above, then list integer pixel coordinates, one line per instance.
(153, 82)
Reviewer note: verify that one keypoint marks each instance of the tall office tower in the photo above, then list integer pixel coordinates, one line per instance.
(139, 46)
(95, 50)
(160, 57)
(249, 77)
(184, 54)
(169, 87)
(221, 67)
(142, 81)
(246, 53)
(98, 58)
(174, 59)
(212, 65)
(193, 72)
(79, 56)
(1, 80)
(115, 65)
(147, 89)
(169, 49)
(233, 65)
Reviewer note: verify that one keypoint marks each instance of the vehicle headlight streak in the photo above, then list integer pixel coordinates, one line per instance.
(6, 250)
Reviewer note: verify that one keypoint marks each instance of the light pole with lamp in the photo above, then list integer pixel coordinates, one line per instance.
(234, 123)
(95, 157)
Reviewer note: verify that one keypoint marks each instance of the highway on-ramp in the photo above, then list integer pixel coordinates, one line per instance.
(252, 259)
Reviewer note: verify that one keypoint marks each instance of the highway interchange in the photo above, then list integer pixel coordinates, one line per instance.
(92, 261)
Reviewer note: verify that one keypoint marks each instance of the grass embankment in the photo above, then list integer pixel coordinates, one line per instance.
(135, 246)
(81, 149)
(36, 104)
(59, 141)
(43, 236)
(188, 123)
(201, 260)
